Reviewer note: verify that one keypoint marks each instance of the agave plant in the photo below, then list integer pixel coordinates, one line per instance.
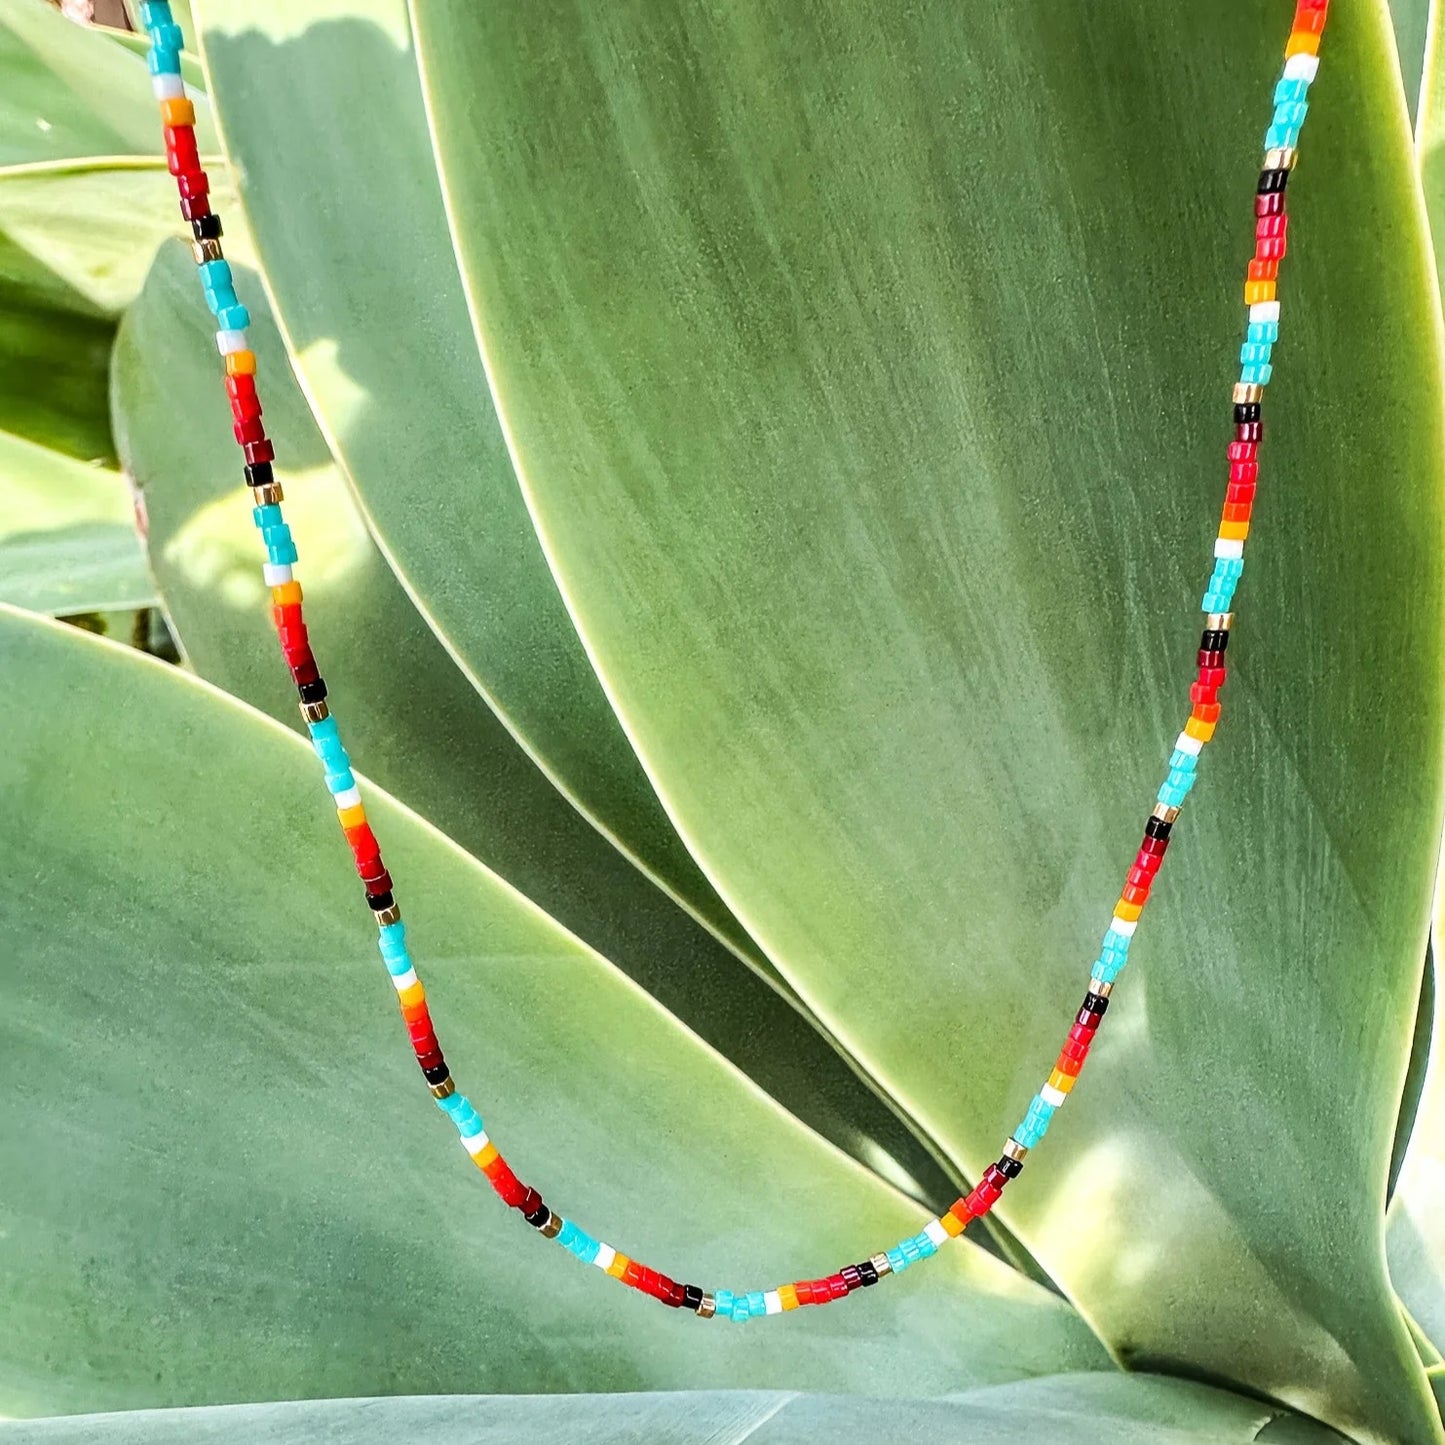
(751, 463)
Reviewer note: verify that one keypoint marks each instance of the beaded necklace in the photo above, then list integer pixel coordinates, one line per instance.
(232, 320)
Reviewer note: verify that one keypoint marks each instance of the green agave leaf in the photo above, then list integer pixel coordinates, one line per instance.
(414, 722)
(1065, 1409)
(867, 372)
(1410, 19)
(68, 92)
(223, 1177)
(68, 541)
(385, 351)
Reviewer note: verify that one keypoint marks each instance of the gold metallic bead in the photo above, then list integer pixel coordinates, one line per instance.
(1014, 1150)
(708, 1308)
(1281, 159)
(388, 915)
(204, 251)
(1219, 622)
(880, 1263)
(553, 1227)
(1247, 391)
(269, 495)
(1103, 990)
(315, 711)
(445, 1089)
(1164, 813)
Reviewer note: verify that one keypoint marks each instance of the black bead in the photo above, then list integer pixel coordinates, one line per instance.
(313, 691)
(538, 1217)
(1270, 181)
(437, 1075)
(1010, 1167)
(380, 902)
(851, 1277)
(1096, 1003)
(1156, 827)
(867, 1273)
(1213, 641)
(259, 474)
(691, 1297)
(1246, 411)
(207, 228)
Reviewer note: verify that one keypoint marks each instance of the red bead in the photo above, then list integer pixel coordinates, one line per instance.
(1240, 492)
(421, 1030)
(1244, 471)
(193, 184)
(363, 842)
(1076, 1048)
(1243, 451)
(288, 614)
(1271, 226)
(512, 1190)
(1139, 878)
(262, 451)
(837, 1286)
(1211, 676)
(1272, 249)
(1205, 696)
(1148, 861)
(1082, 1033)
(253, 429)
(181, 154)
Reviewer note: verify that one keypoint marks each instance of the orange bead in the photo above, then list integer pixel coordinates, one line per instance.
(1061, 1081)
(1201, 730)
(288, 594)
(178, 112)
(787, 1296)
(1302, 42)
(1134, 895)
(241, 363)
(1262, 270)
(1237, 511)
(1065, 1065)
(1234, 531)
(1257, 291)
(961, 1212)
(1206, 712)
(1127, 911)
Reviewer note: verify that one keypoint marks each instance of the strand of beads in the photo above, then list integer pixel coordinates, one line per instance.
(232, 321)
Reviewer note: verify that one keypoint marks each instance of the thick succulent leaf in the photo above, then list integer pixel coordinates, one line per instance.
(414, 722)
(1064, 1409)
(1416, 1235)
(1410, 19)
(68, 541)
(68, 92)
(385, 351)
(96, 224)
(867, 370)
(224, 1177)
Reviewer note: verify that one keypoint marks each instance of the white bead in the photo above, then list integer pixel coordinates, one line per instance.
(276, 575)
(1228, 547)
(1124, 927)
(349, 799)
(404, 980)
(605, 1255)
(1264, 311)
(476, 1142)
(1187, 744)
(772, 1303)
(229, 341)
(1302, 67)
(936, 1232)
(1051, 1095)
(168, 87)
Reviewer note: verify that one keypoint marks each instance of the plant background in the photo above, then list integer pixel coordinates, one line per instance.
(750, 465)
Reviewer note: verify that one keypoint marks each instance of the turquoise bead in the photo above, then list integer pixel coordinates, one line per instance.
(216, 275)
(221, 302)
(233, 318)
(160, 61)
(1262, 333)
(1256, 373)
(926, 1246)
(155, 13)
(1291, 89)
(1116, 940)
(340, 781)
(741, 1311)
(168, 36)
(1181, 761)
(285, 555)
(723, 1299)
(897, 1260)
(757, 1305)
(1254, 353)
(325, 728)
(267, 516)
(396, 963)
(393, 932)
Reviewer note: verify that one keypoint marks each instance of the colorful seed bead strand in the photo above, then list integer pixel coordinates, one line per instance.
(232, 320)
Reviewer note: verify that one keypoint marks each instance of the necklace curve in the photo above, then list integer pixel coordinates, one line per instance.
(232, 320)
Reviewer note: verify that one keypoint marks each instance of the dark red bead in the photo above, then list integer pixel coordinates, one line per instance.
(1085, 1019)
(1270, 204)
(1249, 431)
(193, 184)
(195, 208)
(994, 1177)
(1211, 669)
(253, 429)
(305, 670)
(261, 451)
(1157, 846)
(243, 408)
(531, 1202)
(850, 1277)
